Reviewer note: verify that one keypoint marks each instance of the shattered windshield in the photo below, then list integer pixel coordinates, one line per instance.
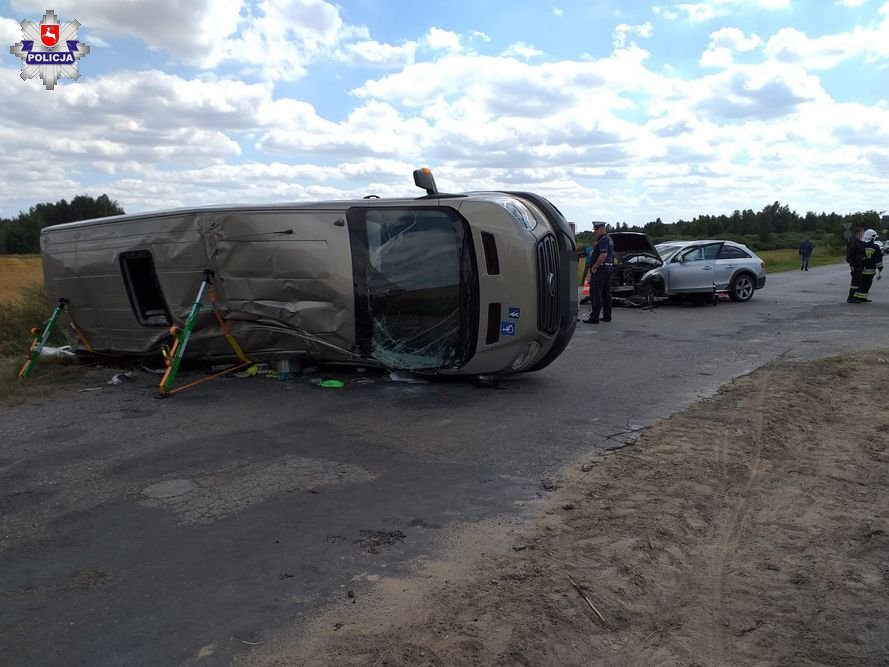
(414, 273)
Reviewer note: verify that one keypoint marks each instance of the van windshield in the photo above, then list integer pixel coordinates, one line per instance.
(415, 287)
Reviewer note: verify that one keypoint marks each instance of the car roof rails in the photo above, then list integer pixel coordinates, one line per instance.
(424, 179)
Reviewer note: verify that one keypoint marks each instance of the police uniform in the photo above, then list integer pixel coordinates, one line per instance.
(855, 260)
(873, 262)
(600, 280)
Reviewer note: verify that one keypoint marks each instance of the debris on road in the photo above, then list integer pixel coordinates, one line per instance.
(119, 378)
(63, 352)
(404, 376)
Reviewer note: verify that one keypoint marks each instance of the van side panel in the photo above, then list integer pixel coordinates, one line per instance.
(290, 269)
(82, 264)
(283, 280)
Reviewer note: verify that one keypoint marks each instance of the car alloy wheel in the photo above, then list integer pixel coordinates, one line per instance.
(647, 293)
(742, 288)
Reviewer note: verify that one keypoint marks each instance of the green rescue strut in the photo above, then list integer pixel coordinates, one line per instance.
(174, 357)
(33, 353)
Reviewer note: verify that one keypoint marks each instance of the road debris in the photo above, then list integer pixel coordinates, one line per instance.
(404, 376)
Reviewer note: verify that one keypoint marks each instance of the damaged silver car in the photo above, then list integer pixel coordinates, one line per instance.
(460, 284)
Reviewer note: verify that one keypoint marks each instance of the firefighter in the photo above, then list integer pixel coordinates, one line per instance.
(855, 259)
(873, 261)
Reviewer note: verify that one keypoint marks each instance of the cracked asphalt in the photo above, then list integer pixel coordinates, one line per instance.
(135, 531)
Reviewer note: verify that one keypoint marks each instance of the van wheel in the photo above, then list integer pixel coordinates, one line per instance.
(742, 288)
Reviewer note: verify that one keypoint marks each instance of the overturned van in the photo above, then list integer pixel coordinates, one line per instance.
(460, 284)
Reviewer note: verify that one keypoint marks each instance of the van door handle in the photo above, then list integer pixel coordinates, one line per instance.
(708, 268)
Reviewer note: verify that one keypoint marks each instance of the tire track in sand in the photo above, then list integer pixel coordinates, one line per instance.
(726, 533)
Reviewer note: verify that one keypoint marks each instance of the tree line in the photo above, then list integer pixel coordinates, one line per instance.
(21, 235)
(775, 226)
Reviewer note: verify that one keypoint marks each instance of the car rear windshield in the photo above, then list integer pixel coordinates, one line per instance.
(415, 286)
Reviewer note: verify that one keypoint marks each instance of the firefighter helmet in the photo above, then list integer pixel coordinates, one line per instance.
(869, 236)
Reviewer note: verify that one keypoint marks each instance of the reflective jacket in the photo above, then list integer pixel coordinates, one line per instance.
(873, 258)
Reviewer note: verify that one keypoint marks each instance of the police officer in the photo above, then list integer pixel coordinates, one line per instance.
(855, 260)
(873, 261)
(600, 271)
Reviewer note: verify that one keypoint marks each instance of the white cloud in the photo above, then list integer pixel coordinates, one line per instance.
(734, 39)
(443, 40)
(706, 10)
(95, 41)
(10, 32)
(558, 12)
(207, 33)
(852, 4)
(724, 44)
(793, 46)
(381, 55)
(666, 13)
(761, 92)
(522, 50)
(195, 31)
(624, 134)
(622, 30)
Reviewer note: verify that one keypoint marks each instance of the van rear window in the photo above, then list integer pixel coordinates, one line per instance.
(143, 289)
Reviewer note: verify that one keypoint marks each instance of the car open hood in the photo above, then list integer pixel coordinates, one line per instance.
(632, 243)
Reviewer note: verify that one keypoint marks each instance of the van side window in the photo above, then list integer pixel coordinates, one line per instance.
(143, 289)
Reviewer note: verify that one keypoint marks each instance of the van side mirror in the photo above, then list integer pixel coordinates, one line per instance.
(424, 179)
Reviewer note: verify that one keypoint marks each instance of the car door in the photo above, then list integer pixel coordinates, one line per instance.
(731, 258)
(692, 270)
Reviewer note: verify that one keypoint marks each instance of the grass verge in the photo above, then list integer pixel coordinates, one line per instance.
(777, 261)
(18, 315)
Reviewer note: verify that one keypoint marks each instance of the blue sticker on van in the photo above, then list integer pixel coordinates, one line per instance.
(507, 328)
(514, 313)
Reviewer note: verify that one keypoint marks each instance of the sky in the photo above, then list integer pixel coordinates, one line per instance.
(615, 110)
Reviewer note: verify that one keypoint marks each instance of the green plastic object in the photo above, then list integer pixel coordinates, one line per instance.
(38, 344)
(332, 384)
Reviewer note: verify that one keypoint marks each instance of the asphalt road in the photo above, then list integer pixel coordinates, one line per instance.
(135, 531)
